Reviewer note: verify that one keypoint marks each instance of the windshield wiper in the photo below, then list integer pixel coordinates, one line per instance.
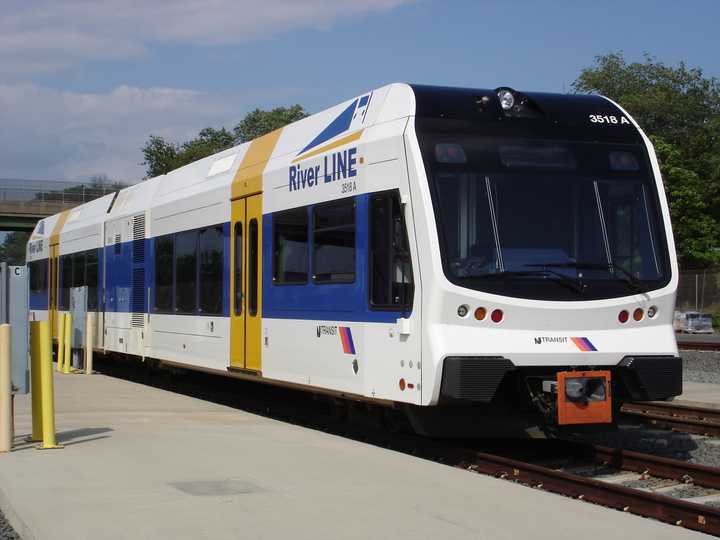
(576, 285)
(627, 276)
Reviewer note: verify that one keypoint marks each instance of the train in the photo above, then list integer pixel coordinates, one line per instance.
(477, 261)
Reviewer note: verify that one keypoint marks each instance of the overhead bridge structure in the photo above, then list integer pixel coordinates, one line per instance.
(24, 202)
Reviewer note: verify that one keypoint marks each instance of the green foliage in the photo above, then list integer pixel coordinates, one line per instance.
(716, 319)
(257, 123)
(696, 230)
(162, 156)
(12, 249)
(680, 109)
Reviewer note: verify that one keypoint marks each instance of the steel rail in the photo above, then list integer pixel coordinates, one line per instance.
(684, 418)
(699, 345)
(643, 503)
(661, 467)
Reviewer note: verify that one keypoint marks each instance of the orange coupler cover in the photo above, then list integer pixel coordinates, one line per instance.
(588, 412)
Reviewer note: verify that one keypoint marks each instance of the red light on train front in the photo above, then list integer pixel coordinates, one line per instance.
(623, 316)
(496, 316)
(638, 314)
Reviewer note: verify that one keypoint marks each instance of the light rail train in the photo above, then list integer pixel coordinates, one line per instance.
(481, 260)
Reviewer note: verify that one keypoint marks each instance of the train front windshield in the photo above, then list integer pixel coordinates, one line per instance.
(547, 219)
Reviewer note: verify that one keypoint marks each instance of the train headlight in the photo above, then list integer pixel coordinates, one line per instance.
(652, 311)
(462, 311)
(507, 99)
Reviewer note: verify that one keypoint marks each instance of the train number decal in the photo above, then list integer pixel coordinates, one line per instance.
(608, 119)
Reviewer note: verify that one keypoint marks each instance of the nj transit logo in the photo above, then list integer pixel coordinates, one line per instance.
(344, 129)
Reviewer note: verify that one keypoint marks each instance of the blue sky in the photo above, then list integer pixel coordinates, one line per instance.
(83, 84)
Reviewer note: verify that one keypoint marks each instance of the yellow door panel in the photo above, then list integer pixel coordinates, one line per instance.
(53, 267)
(237, 286)
(253, 319)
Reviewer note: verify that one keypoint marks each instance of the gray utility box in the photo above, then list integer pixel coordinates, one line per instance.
(14, 310)
(78, 310)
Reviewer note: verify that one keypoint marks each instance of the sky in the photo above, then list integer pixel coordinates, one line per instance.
(84, 83)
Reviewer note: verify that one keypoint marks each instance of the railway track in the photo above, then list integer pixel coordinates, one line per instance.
(699, 345)
(686, 419)
(608, 479)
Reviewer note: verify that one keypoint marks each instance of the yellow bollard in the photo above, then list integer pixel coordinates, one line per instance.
(48, 395)
(6, 416)
(61, 342)
(35, 391)
(89, 335)
(68, 343)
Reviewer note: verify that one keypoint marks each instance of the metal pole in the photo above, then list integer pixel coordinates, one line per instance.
(48, 394)
(35, 389)
(68, 343)
(696, 292)
(89, 339)
(6, 416)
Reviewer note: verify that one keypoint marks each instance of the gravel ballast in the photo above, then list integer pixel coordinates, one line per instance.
(6, 531)
(701, 366)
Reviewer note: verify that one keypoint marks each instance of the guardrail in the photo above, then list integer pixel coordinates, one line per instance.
(28, 191)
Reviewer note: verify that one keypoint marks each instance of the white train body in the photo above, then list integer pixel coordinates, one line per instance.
(334, 299)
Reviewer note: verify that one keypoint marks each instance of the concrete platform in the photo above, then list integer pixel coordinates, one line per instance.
(700, 394)
(144, 463)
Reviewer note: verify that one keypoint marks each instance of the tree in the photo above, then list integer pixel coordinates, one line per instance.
(679, 109)
(162, 156)
(12, 249)
(257, 123)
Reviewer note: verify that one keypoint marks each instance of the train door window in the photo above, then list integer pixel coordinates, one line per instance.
(290, 246)
(38, 276)
(237, 271)
(253, 268)
(334, 242)
(391, 277)
(164, 248)
(210, 248)
(66, 280)
(186, 272)
(91, 278)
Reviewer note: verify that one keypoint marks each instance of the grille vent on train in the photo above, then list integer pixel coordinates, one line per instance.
(137, 298)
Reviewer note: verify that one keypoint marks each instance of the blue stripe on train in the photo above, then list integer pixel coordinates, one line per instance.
(310, 301)
(325, 302)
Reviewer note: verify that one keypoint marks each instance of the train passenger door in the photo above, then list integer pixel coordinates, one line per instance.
(246, 284)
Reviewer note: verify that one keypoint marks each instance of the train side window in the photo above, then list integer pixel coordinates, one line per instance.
(210, 248)
(164, 248)
(78, 279)
(391, 276)
(66, 271)
(91, 278)
(38, 276)
(253, 268)
(290, 246)
(334, 242)
(237, 271)
(186, 272)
